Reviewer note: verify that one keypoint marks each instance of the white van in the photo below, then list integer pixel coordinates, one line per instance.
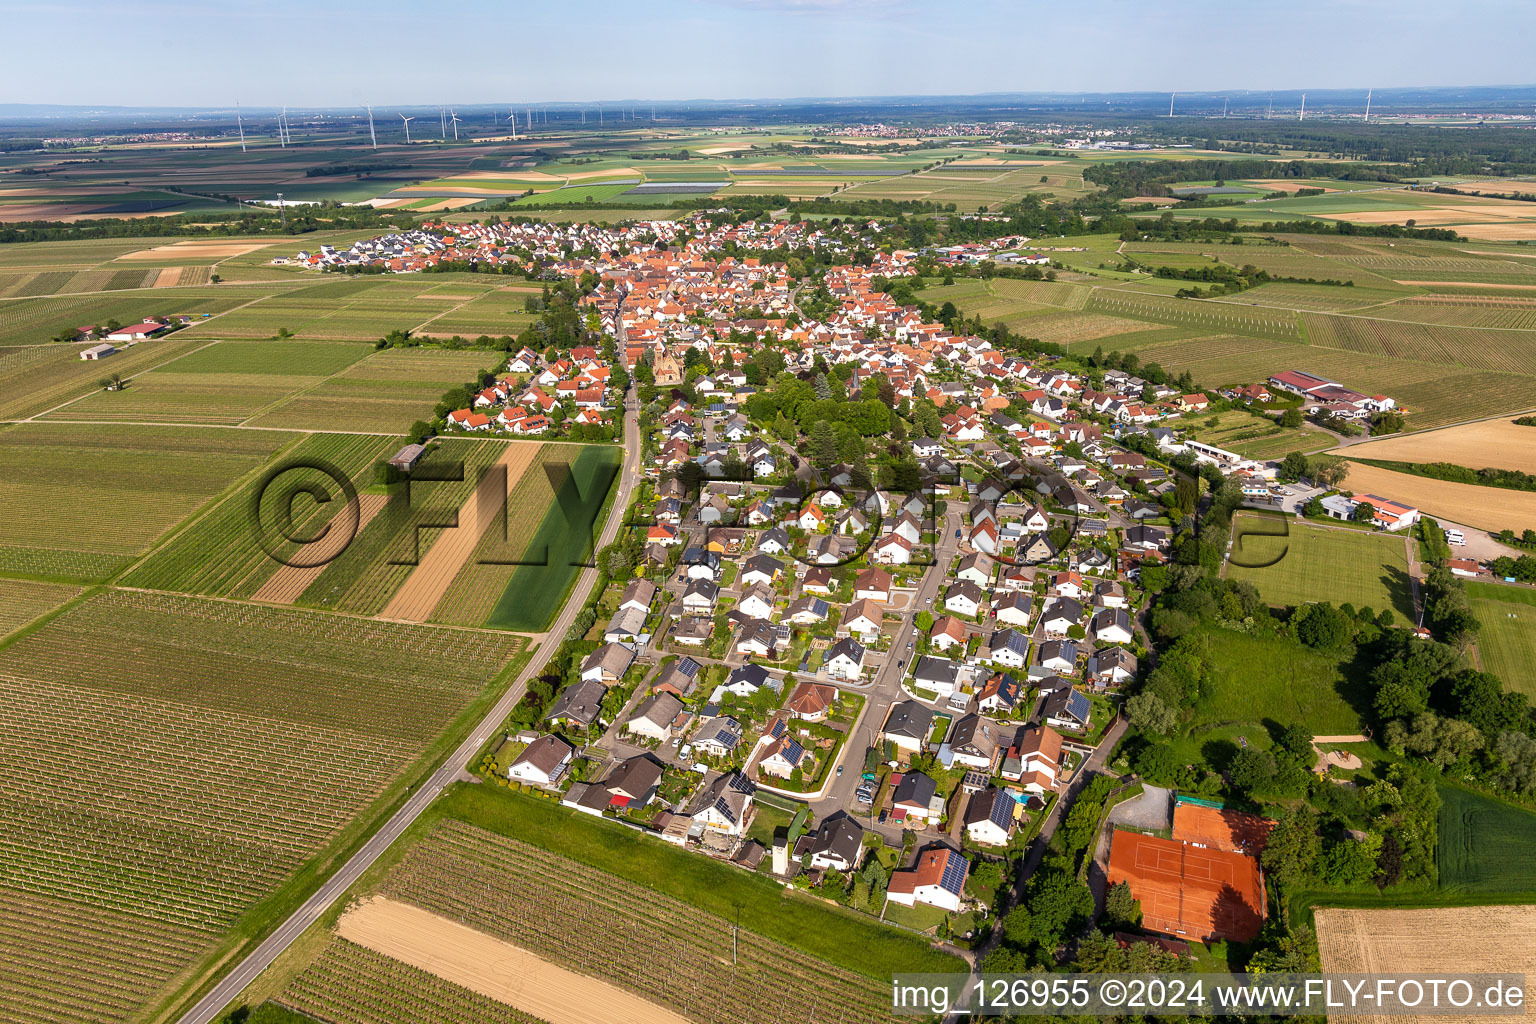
(1455, 537)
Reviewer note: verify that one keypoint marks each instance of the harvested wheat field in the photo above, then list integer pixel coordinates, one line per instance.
(285, 585)
(1509, 232)
(211, 250)
(1431, 943)
(1497, 443)
(429, 581)
(1487, 508)
(493, 968)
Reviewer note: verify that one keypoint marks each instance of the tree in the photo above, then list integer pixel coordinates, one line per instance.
(1293, 467)
(1147, 713)
(1120, 906)
(1252, 769)
(823, 447)
(1293, 844)
(1322, 626)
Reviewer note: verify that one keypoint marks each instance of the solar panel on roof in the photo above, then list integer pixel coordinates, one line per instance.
(1002, 811)
(953, 879)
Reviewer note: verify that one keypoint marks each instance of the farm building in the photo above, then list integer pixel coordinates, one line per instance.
(1188, 890)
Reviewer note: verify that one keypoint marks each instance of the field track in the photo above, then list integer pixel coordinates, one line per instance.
(429, 581)
(493, 968)
(285, 585)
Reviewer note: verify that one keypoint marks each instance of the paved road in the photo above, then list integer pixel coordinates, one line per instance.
(232, 984)
(886, 689)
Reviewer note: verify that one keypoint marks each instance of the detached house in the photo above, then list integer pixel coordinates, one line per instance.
(543, 762)
(937, 879)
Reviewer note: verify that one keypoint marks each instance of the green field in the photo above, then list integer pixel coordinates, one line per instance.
(1485, 846)
(78, 501)
(386, 391)
(561, 545)
(224, 383)
(1507, 641)
(1319, 563)
(1255, 679)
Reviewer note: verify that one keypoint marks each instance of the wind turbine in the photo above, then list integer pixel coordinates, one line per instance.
(240, 125)
(454, 118)
(1368, 104)
(407, 121)
(1303, 114)
(371, 136)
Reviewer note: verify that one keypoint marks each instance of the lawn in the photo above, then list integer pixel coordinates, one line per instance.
(562, 544)
(1507, 641)
(840, 936)
(1293, 563)
(1485, 845)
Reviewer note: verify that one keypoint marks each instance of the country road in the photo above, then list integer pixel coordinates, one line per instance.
(232, 984)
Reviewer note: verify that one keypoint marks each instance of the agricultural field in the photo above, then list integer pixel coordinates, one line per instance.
(1506, 644)
(224, 383)
(1438, 942)
(220, 554)
(481, 581)
(124, 487)
(1320, 563)
(650, 942)
(351, 984)
(393, 545)
(561, 545)
(1484, 846)
(384, 392)
(1499, 443)
(37, 378)
(1205, 316)
(32, 321)
(239, 742)
(1487, 508)
(21, 601)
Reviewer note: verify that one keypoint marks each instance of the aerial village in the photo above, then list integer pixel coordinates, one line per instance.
(863, 658)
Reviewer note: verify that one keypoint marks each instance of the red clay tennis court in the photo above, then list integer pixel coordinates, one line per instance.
(1188, 891)
(1219, 829)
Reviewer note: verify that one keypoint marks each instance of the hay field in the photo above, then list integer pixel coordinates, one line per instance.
(1428, 942)
(1487, 508)
(1498, 443)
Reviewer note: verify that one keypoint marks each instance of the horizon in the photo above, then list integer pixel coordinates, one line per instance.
(688, 50)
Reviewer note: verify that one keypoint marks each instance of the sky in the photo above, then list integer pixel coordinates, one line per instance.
(314, 53)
